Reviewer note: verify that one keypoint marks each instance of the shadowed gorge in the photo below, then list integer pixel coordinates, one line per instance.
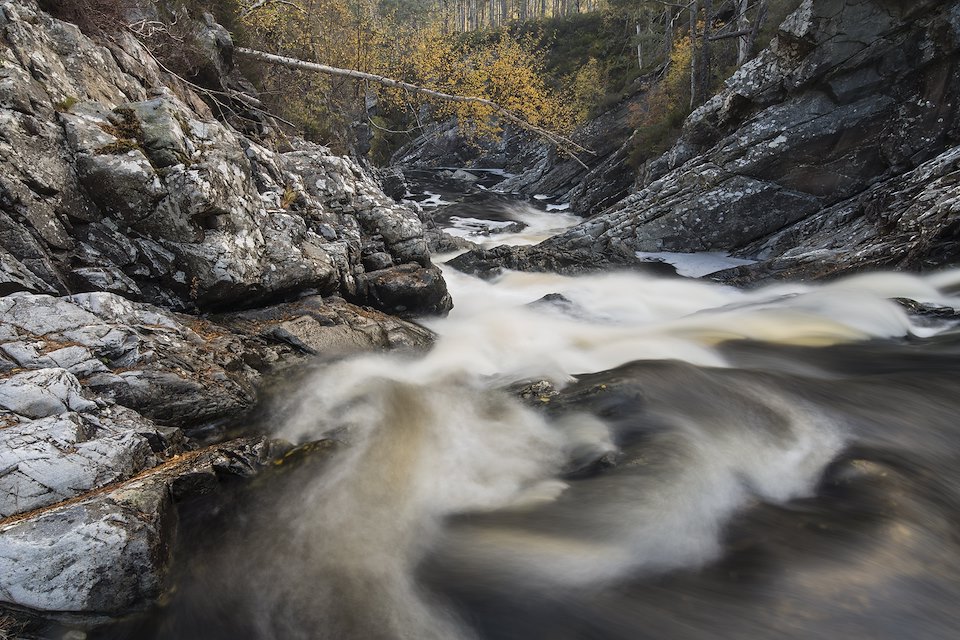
(395, 320)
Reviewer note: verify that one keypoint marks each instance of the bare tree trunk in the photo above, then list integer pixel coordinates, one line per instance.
(694, 85)
(639, 49)
(667, 35)
(743, 42)
(758, 21)
(705, 71)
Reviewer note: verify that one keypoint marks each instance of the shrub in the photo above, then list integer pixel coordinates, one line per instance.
(92, 16)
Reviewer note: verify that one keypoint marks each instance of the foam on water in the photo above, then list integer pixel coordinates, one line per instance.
(433, 435)
(538, 226)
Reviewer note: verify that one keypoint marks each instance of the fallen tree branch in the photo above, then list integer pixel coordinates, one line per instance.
(732, 34)
(259, 4)
(565, 144)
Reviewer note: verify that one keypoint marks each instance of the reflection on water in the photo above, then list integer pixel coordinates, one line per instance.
(706, 462)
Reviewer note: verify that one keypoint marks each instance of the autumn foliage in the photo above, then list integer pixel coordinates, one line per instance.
(364, 37)
(659, 116)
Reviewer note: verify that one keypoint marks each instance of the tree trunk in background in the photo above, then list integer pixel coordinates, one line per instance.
(705, 71)
(639, 49)
(694, 84)
(743, 42)
(667, 35)
(757, 24)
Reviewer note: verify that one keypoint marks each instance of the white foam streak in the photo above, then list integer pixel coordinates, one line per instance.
(539, 225)
(667, 517)
(430, 436)
(616, 318)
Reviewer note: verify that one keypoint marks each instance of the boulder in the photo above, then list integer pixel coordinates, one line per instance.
(115, 179)
(48, 460)
(174, 369)
(329, 327)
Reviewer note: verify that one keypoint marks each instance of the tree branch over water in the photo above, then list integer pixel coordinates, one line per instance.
(563, 143)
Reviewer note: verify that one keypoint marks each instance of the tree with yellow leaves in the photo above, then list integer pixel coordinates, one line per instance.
(482, 86)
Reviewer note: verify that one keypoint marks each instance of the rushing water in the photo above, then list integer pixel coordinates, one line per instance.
(702, 462)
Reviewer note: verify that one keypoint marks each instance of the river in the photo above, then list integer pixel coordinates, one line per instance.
(611, 456)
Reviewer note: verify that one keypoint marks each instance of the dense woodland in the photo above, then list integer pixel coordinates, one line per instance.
(555, 63)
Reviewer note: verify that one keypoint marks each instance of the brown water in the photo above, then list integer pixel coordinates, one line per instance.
(780, 463)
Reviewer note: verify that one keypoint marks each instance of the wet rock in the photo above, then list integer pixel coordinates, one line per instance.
(407, 291)
(929, 313)
(560, 303)
(535, 394)
(329, 327)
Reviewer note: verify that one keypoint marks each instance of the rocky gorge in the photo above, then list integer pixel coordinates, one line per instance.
(167, 254)
(126, 210)
(832, 151)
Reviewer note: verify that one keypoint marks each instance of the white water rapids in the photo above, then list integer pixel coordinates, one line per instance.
(598, 507)
(432, 436)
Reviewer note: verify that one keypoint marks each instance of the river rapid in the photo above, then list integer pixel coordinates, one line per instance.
(621, 455)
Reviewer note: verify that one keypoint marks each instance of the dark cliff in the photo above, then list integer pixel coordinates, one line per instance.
(833, 150)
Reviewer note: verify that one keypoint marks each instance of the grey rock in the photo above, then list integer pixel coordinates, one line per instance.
(43, 393)
(110, 550)
(142, 357)
(14, 276)
(101, 555)
(907, 222)
(114, 182)
(52, 459)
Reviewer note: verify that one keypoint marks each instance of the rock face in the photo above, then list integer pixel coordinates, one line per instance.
(124, 204)
(112, 181)
(832, 150)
